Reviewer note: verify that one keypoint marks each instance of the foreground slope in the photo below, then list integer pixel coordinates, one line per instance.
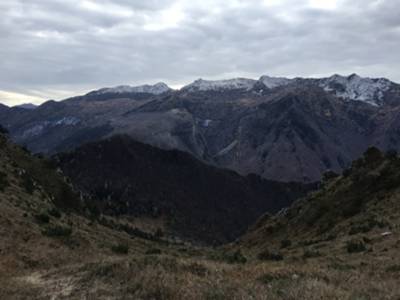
(51, 250)
(360, 209)
(188, 197)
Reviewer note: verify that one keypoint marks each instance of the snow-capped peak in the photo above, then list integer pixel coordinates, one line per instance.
(357, 88)
(272, 82)
(155, 89)
(216, 85)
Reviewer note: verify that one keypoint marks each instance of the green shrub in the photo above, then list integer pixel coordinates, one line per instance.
(28, 184)
(286, 243)
(268, 255)
(235, 258)
(372, 155)
(367, 225)
(153, 251)
(42, 218)
(355, 246)
(54, 212)
(3, 181)
(394, 269)
(328, 175)
(196, 269)
(346, 172)
(310, 253)
(120, 249)
(391, 154)
(57, 231)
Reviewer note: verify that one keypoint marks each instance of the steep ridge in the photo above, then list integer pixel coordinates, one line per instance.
(356, 212)
(250, 126)
(194, 200)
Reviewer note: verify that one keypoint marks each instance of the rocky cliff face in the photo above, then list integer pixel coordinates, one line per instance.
(279, 128)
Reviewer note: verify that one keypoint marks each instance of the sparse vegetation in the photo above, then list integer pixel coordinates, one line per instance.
(286, 243)
(54, 212)
(28, 183)
(394, 269)
(120, 248)
(270, 255)
(355, 246)
(3, 181)
(57, 231)
(236, 257)
(42, 218)
(311, 253)
(111, 258)
(153, 251)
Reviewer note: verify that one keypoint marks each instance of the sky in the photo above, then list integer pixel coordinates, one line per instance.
(54, 49)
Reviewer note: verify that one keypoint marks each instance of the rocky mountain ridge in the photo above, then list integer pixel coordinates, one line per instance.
(282, 129)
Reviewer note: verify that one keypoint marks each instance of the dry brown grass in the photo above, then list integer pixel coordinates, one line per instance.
(83, 266)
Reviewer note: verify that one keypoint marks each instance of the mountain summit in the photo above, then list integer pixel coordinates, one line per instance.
(279, 128)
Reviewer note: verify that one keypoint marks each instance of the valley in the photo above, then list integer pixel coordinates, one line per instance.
(340, 242)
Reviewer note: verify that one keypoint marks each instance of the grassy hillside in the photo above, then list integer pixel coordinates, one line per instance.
(50, 248)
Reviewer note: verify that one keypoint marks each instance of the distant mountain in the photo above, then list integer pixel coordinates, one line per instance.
(280, 128)
(26, 106)
(156, 89)
(218, 85)
(194, 200)
(3, 108)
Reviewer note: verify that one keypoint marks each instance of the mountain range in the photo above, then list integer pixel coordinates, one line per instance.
(279, 128)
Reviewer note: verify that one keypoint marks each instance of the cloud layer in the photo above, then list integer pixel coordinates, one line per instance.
(58, 48)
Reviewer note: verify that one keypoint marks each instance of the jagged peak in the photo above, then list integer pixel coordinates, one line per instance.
(272, 82)
(355, 87)
(225, 84)
(155, 89)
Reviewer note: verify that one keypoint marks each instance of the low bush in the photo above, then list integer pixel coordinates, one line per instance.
(54, 212)
(355, 246)
(286, 243)
(120, 249)
(268, 255)
(196, 269)
(235, 258)
(28, 184)
(153, 251)
(3, 181)
(42, 218)
(394, 269)
(310, 253)
(57, 231)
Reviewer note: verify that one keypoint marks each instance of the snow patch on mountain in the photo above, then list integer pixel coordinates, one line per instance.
(357, 88)
(39, 128)
(218, 85)
(155, 89)
(273, 82)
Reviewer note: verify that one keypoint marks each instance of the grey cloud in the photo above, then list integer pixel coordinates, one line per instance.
(73, 45)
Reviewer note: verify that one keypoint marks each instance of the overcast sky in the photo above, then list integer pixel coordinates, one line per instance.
(52, 49)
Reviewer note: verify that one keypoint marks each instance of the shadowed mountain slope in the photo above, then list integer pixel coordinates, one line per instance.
(198, 201)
